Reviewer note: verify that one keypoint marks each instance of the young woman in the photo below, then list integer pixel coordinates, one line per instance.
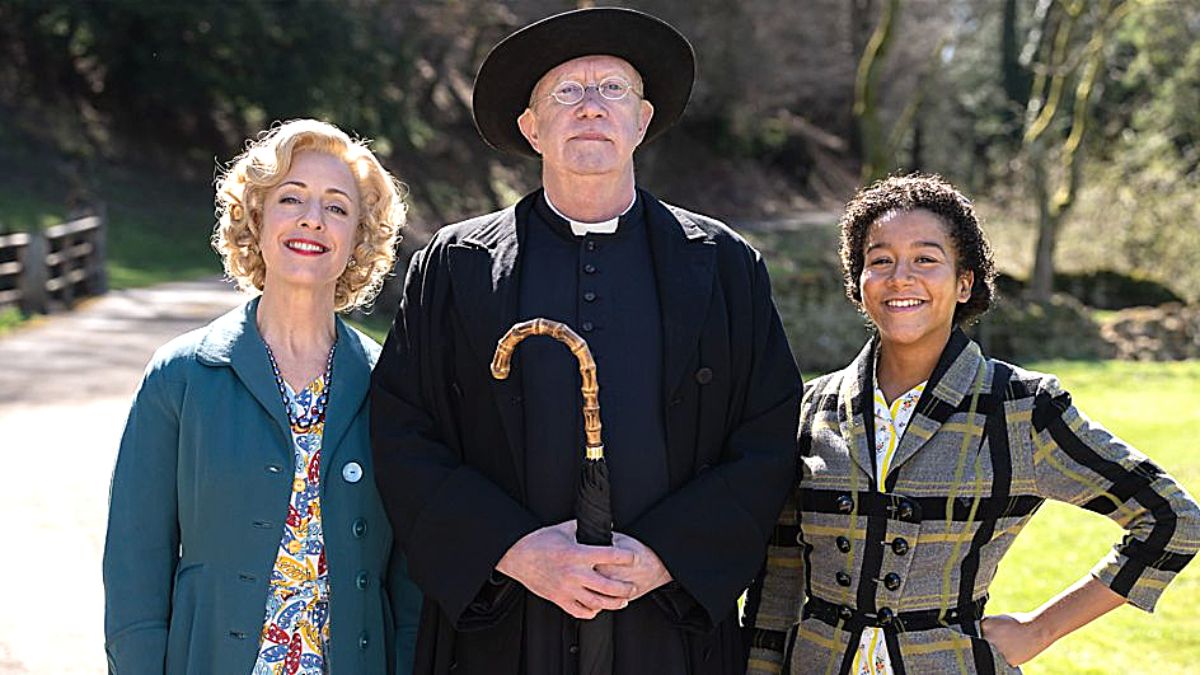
(245, 533)
(922, 460)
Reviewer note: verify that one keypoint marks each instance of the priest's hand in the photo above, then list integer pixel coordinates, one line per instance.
(646, 572)
(553, 566)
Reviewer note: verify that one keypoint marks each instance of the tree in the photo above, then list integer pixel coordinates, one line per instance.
(1065, 66)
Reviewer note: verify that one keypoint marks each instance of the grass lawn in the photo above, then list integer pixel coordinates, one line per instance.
(1156, 408)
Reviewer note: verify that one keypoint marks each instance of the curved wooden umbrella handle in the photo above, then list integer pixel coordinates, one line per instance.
(590, 388)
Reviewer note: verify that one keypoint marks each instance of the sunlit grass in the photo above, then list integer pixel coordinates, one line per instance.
(1156, 408)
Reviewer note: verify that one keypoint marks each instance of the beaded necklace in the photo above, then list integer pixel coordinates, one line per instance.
(317, 412)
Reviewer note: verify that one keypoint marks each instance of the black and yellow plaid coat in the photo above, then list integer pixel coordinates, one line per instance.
(987, 444)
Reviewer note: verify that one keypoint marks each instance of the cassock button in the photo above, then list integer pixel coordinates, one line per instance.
(352, 472)
(845, 504)
(359, 528)
(589, 268)
(843, 544)
(886, 616)
(363, 641)
(588, 326)
(899, 546)
(591, 246)
(362, 581)
(891, 581)
(843, 579)
(704, 375)
(589, 297)
(574, 649)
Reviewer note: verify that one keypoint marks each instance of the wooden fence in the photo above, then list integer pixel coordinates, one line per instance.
(40, 271)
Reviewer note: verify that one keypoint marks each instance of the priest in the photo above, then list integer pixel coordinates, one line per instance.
(698, 387)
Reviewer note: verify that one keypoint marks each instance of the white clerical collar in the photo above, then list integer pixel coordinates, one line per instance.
(579, 228)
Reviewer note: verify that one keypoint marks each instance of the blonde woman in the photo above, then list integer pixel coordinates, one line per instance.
(245, 533)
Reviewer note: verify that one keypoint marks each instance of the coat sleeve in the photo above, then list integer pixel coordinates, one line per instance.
(712, 532)
(452, 521)
(776, 597)
(1078, 461)
(141, 550)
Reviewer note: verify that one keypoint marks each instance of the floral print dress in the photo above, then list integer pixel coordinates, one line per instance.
(890, 423)
(295, 632)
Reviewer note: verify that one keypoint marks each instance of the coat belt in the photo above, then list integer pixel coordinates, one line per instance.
(850, 619)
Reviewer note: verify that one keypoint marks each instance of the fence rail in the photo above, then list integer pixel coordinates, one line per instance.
(53, 267)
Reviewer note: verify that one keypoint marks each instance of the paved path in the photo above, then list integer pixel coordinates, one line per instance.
(65, 387)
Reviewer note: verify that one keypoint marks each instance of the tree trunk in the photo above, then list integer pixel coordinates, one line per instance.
(1041, 282)
(875, 153)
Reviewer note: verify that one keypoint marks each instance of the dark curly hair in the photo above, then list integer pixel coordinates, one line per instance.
(934, 194)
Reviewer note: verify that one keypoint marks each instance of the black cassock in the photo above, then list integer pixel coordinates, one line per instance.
(699, 396)
(602, 285)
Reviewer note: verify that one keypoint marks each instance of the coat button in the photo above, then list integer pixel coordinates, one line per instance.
(845, 613)
(362, 580)
(589, 268)
(899, 546)
(359, 528)
(588, 326)
(363, 641)
(574, 649)
(886, 616)
(843, 579)
(891, 581)
(843, 544)
(274, 468)
(352, 472)
(845, 504)
(704, 375)
(589, 297)
(906, 510)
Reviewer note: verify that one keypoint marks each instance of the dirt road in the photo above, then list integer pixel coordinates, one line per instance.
(65, 387)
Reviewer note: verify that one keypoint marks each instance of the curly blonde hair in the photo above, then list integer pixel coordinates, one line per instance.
(242, 188)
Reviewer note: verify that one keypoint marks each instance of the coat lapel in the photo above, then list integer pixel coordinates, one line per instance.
(234, 341)
(955, 377)
(856, 411)
(684, 258)
(485, 277)
(350, 381)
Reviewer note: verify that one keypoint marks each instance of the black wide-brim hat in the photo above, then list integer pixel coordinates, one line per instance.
(660, 54)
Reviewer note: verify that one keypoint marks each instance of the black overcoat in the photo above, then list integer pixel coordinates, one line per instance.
(448, 439)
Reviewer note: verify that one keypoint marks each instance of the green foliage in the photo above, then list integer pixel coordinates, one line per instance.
(1156, 408)
(1100, 289)
(10, 318)
(1020, 330)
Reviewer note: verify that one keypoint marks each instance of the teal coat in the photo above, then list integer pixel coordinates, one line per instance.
(198, 502)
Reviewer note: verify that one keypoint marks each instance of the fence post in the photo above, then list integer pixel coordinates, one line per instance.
(98, 274)
(34, 273)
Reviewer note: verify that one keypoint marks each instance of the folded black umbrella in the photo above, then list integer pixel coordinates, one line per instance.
(593, 503)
